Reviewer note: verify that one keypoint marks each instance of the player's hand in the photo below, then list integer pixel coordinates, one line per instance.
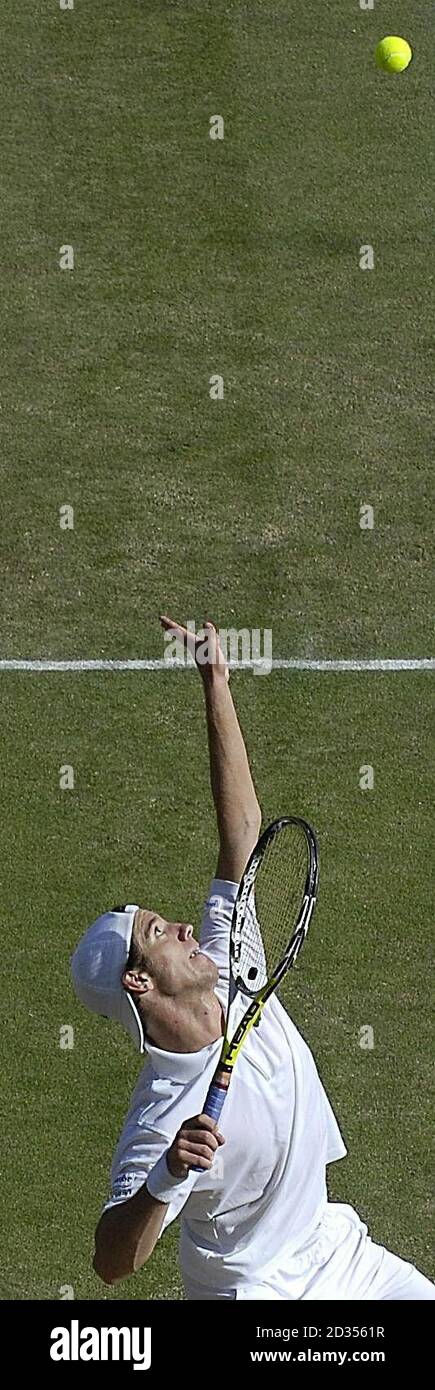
(194, 1146)
(204, 646)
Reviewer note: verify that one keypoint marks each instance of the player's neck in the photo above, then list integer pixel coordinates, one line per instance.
(185, 1024)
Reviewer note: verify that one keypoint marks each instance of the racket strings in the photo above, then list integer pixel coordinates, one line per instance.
(273, 909)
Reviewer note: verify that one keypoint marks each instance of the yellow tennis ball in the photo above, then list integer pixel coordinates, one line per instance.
(393, 54)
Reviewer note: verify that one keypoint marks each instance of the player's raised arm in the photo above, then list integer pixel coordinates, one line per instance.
(237, 810)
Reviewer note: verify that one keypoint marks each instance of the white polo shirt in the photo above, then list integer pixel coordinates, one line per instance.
(266, 1191)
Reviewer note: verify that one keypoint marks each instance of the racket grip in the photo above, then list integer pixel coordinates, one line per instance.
(215, 1100)
(212, 1108)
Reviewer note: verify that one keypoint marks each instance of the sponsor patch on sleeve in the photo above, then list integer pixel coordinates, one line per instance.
(216, 908)
(123, 1187)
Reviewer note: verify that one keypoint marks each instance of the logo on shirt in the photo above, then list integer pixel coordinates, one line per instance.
(216, 906)
(123, 1187)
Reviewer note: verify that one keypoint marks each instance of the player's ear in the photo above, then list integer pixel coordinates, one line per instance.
(137, 981)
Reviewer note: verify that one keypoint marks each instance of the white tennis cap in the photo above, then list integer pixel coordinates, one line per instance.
(97, 967)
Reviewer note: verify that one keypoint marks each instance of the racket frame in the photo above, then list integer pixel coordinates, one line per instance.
(232, 1046)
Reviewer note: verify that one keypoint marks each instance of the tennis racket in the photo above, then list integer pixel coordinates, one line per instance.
(271, 916)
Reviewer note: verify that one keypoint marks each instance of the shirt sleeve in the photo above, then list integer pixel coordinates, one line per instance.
(130, 1170)
(214, 937)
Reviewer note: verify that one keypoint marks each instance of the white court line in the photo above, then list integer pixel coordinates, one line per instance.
(292, 664)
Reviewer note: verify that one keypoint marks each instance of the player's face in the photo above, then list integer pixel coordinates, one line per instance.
(171, 955)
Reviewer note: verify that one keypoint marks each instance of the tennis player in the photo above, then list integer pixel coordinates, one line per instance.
(256, 1222)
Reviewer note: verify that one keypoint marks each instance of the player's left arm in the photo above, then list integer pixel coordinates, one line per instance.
(237, 808)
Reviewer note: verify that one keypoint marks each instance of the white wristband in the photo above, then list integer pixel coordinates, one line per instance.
(161, 1183)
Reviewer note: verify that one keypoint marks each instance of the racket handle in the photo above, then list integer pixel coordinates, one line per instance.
(212, 1107)
(215, 1100)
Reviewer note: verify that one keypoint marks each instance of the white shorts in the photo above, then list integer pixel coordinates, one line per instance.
(340, 1261)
